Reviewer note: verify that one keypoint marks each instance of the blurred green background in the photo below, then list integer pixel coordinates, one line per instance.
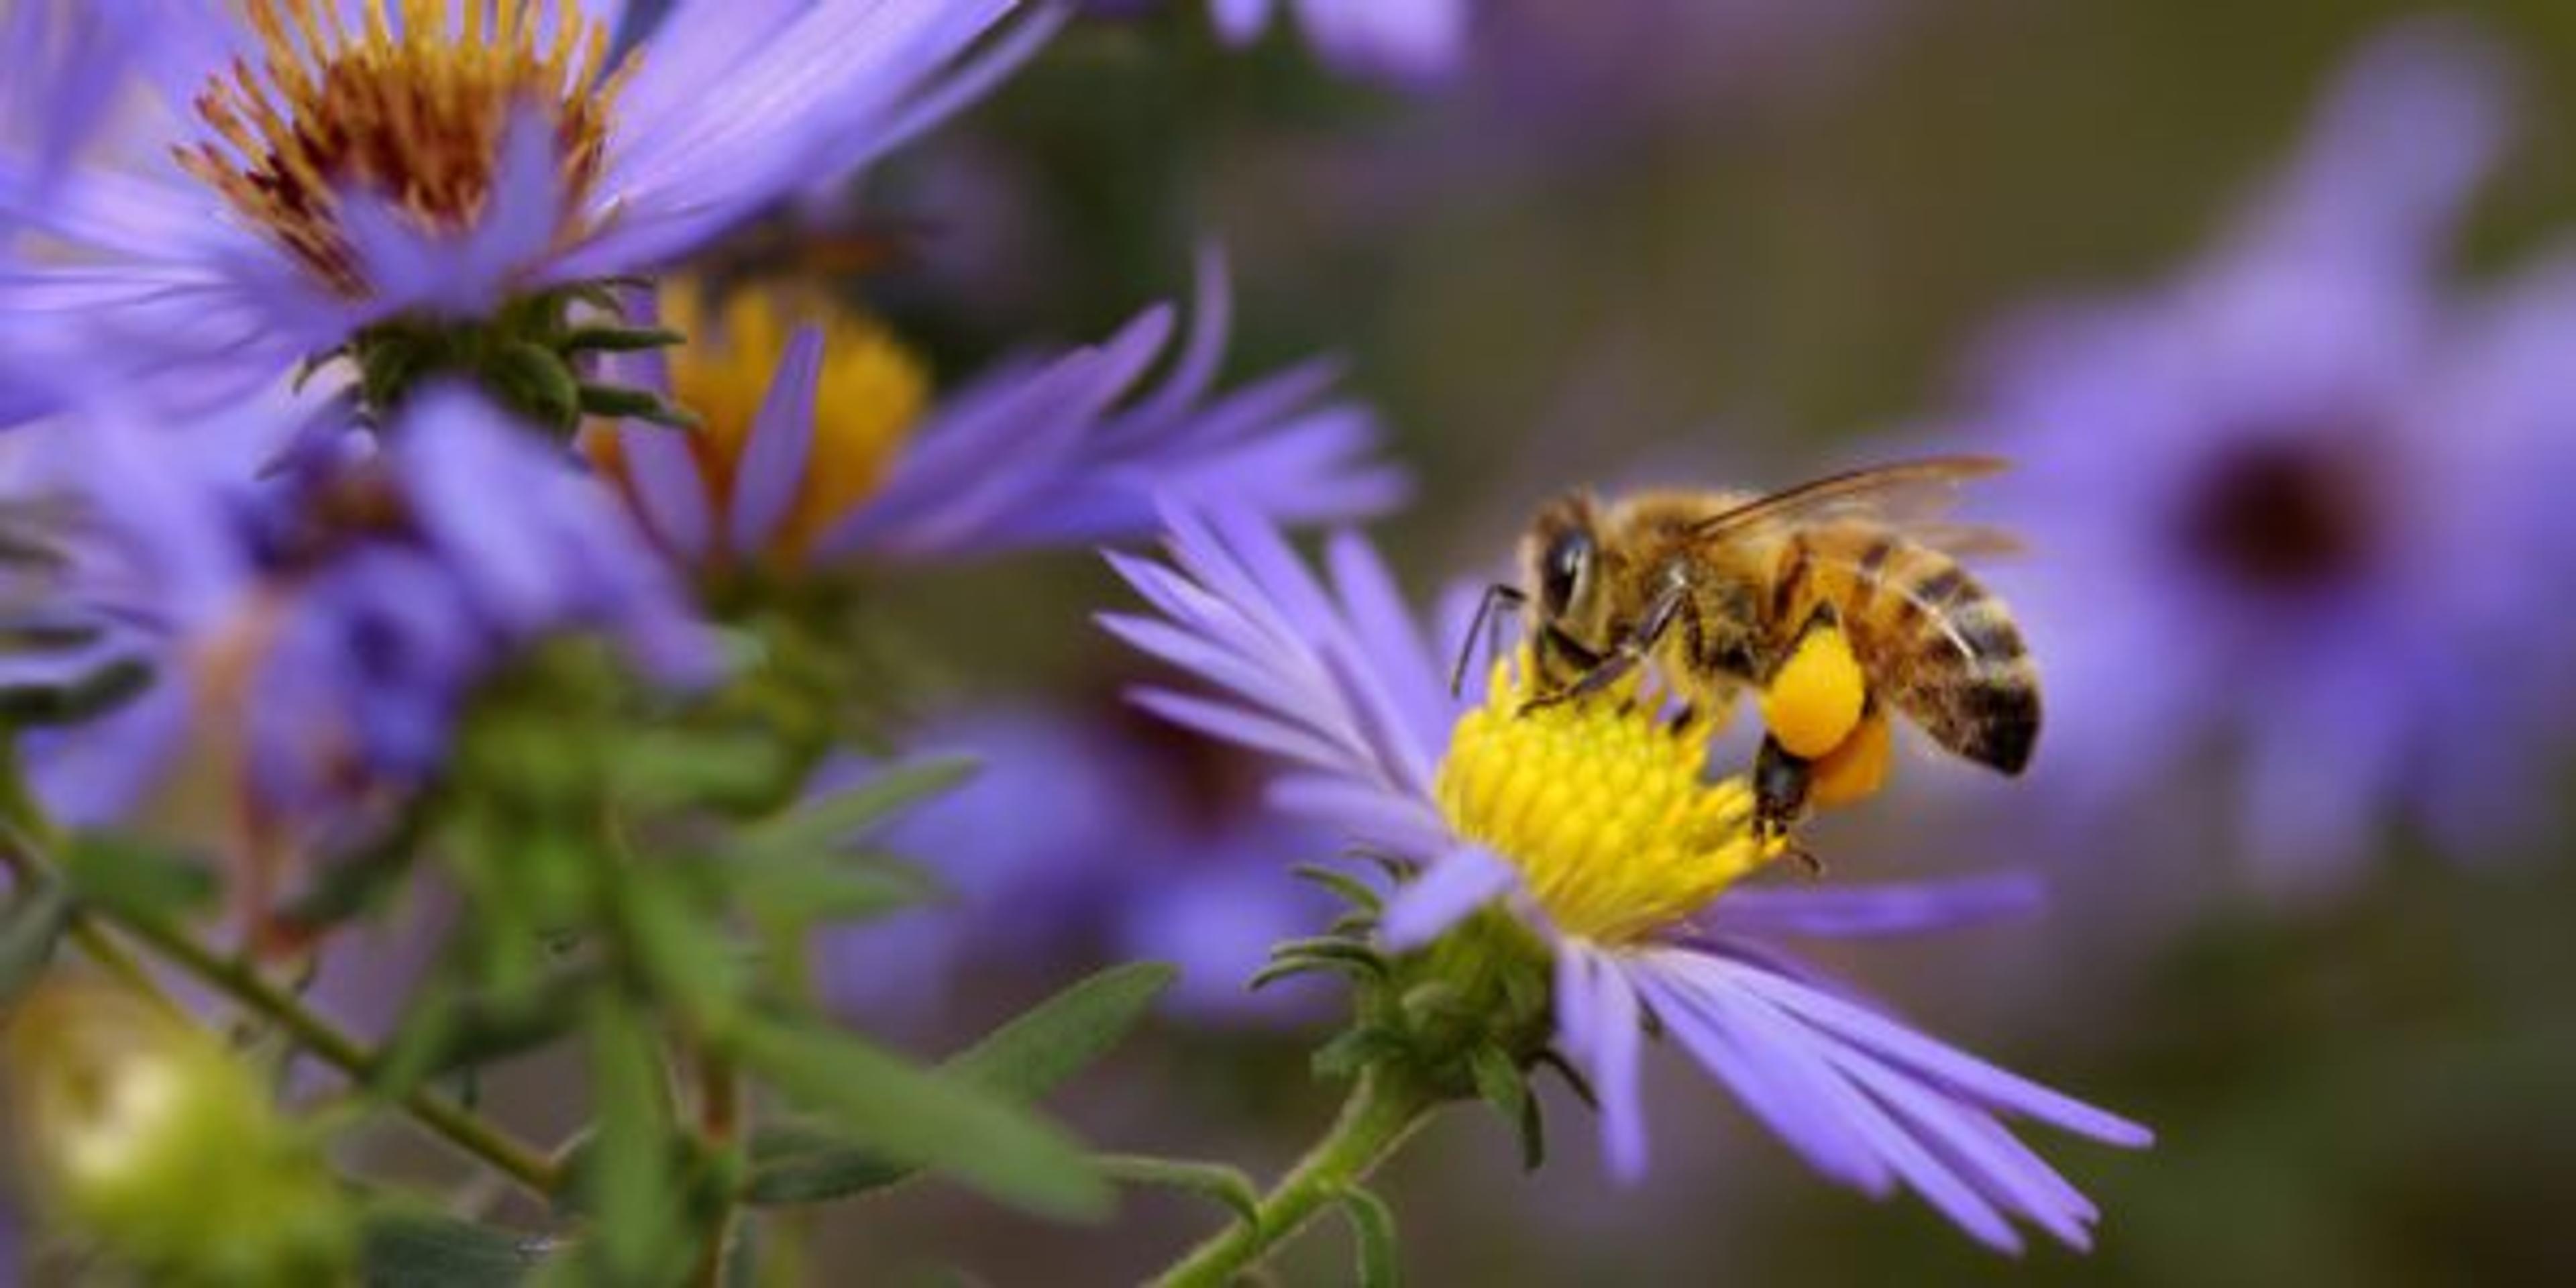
(1720, 263)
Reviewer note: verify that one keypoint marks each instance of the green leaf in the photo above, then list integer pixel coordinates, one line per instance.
(693, 963)
(455, 1029)
(832, 822)
(917, 1116)
(1064, 1034)
(1373, 1230)
(802, 1163)
(1020, 1061)
(821, 888)
(403, 1247)
(362, 881)
(628, 1182)
(133, 881)
(28, 931)
(1216, 1181)
(687, 766)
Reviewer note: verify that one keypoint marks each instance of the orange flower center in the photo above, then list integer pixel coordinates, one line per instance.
(411, 112)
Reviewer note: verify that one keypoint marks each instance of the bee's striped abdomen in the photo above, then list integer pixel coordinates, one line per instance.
(1937, 645)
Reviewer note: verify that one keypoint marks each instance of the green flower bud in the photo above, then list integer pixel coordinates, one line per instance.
(146, 1137)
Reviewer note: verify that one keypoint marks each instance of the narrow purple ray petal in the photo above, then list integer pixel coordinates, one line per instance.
(1965, 1073)
(1617, 1036)
(1786, 1085)
(1865, 911)
(782, 434)
(1457, 883)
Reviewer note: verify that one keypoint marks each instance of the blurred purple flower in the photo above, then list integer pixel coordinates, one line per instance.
(324, 621)
(1341, 684)
(189, 239)
(1081, 836)
(1403, 42)
(835, 457)
(2301, 504)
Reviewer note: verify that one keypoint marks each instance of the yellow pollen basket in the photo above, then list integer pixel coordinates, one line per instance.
(410, 111)
(1816, 698)
(869, 396)
(1601, 806)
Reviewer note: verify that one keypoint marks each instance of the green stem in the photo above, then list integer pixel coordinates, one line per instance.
(720, 1126)
(246, 987)
(1383, 1109)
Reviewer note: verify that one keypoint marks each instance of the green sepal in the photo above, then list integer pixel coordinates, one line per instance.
(45, 637)
(35, 706)
(536, 380)
(1335, 949)
(636, 404)
(620, 339)
(1291, 966)
(1356, 1048)
(1574, 1079)
(1503, 1085)
(1359, 894)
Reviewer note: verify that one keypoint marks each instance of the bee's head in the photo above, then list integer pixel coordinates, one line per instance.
(1561, 571)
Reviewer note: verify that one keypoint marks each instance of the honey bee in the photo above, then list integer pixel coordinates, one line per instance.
(1721, 591)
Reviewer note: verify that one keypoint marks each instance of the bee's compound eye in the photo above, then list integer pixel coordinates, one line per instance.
(1568, 567)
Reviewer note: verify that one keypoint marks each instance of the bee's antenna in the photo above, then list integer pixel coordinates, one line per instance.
(1487, 623)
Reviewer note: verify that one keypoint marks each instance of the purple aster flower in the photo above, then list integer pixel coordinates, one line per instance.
(821, 441)
(1406, 42)
(315, 629)
(1591, 824)
(475, 154)
(1082, 835)
(2273, 498)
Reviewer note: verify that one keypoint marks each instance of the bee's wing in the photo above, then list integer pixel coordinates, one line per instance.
(1911, 496)
(1967, 541)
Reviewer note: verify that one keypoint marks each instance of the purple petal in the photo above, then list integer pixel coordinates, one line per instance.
(782, 432)
(1865, 912)
(1948, 1065)
(1770, 1065)
(1455, 884)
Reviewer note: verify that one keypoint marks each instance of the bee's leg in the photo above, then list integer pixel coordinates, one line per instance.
(1487, 623)
(1781, 781)
(1632, 650)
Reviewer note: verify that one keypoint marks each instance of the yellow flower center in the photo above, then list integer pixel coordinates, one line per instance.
(1601, 806)
(414, 116)
(869, 395)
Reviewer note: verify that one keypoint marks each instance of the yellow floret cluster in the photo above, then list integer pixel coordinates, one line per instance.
(1602, 806)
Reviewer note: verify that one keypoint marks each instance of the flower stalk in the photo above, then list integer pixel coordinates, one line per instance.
(1384, 1109)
